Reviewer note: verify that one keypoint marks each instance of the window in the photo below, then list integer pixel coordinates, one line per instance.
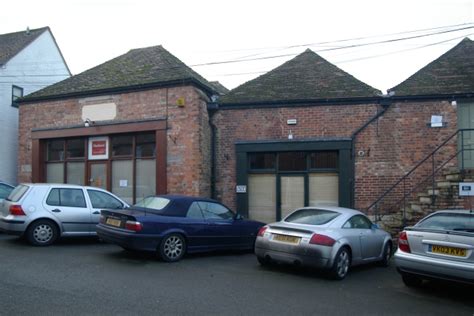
(17, 193)
(312, 216)
(76, 148)
(292, 161)
(323, 160)
(215, 211)
(449, 221)
(154, 202)
(55, 151)
(17, 92)
(194, 211)
(262, 161)
(66, 197)
(101, 199)
(145, 146)
(122, 145)
(358, 222)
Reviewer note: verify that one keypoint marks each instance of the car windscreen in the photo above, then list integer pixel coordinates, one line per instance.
(449, 221)
(17, 193)
(153, 202)
(312, 216)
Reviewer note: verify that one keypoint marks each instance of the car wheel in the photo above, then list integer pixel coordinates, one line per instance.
(341, 264)
(411, 280)
(42, 233)
(172, 248)
(387, 255)
(263, 261)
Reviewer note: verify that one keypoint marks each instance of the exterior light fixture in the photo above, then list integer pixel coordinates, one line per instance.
(88, 122)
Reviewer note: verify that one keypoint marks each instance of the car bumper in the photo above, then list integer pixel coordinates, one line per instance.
(436, 268)
(128, 240)
(12, 226)
(302, 254)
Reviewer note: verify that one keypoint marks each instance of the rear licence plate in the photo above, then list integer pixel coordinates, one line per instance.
(287, 239)
(458, 252)
(113, 222)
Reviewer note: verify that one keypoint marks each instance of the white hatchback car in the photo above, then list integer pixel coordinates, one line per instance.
(42, 212)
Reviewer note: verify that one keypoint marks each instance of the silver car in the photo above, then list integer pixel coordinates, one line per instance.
(44, 212)
(332, 238)
(440, 246)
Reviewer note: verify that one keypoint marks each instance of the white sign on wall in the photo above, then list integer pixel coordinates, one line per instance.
(241, 189)
(98, 148)
(466, 188)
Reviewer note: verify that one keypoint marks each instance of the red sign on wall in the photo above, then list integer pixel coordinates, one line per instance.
(99, 147)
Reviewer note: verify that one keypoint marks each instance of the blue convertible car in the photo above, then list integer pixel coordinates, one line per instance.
(174, 225)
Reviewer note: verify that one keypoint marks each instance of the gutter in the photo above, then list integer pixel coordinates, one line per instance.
(116, 90)
(385, 103)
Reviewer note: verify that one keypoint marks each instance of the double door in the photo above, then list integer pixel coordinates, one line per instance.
(273, 197)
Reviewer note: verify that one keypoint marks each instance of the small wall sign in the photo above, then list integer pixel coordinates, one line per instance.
(466, 188)
(241, 189)
(98, 148)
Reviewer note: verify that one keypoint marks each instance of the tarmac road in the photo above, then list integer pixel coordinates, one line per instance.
(86, 277)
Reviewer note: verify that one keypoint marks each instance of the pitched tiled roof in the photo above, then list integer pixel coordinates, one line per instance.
(452, 73)
(221, 89)
(308, 76)
(137, 69)
(13, 43)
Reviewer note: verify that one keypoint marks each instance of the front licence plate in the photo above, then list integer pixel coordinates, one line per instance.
(287, 239)
(113, 222)
(452, 251)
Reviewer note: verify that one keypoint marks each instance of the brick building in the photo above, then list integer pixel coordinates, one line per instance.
(302, 134)
(308, 133)
(135, 125)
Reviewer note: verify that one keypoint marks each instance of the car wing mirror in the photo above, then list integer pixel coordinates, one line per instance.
(238, 217)
(375, 226)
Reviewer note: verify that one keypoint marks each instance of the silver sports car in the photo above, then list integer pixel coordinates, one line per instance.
(332, 238)
(440, 246)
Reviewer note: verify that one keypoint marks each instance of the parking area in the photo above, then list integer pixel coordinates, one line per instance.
(87, 277)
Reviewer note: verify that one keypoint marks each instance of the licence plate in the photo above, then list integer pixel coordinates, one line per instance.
(452, 251)
(113, 222)
(287, 239)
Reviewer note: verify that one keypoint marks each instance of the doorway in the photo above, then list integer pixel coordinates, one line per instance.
(97, 174)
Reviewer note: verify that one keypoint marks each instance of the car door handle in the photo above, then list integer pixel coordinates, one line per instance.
(56, 210)
(96, 212)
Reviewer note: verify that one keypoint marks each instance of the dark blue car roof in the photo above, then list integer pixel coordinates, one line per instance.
(179, 204)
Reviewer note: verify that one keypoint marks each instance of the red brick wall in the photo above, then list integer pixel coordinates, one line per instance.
(188, 135)
(271, 124)
(392, 145)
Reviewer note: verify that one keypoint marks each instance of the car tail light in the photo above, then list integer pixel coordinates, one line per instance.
(403, 242)
(16, 210)
(102, 219)
(262, 230)
(323, 240)
(132, 225)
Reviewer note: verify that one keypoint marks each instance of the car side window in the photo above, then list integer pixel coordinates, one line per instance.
(101, 199)
(215, 211)
(194, 211)
(66, 197)
(358, 222)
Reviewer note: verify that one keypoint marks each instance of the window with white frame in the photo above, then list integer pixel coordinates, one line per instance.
(17, 92)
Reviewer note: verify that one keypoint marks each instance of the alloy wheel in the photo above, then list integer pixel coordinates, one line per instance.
(43, 233)
(342, 264)
(173, 247)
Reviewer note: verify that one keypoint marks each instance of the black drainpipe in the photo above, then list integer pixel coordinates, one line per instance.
(385, 103)
(212, 109)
